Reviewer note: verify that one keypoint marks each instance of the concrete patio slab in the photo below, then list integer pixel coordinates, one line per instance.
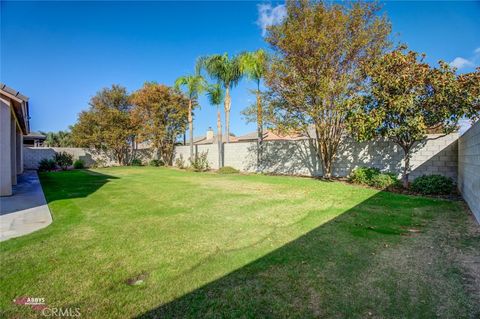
(26, 210)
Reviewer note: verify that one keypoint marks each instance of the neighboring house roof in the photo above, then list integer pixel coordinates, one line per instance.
(203, 140)
(269, 135)
(34, 136)
(214, 140)
(19, 104)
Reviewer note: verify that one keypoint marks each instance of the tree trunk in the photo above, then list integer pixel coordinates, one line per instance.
(190, 127)
(326, 165)
(259, 130)
(134, 148)
(219, 138)
(228, 102)
(406, 167)
(326, 148)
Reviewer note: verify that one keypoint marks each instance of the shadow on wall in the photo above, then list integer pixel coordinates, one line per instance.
(380, 153)
(335, 270)
(299, 157)
(441, 160)
(435, 155)
(285, 157)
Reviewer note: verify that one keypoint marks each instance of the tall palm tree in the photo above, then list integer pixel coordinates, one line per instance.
(227, 72)
(193, 85)
(254, 65)
(215, 95)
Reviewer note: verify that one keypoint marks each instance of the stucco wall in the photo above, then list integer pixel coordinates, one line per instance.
(436, 155)
(469, 168)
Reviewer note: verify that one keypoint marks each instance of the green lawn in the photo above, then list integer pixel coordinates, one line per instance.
(251, 246)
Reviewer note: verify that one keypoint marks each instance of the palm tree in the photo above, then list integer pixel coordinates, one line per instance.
(227, 72)
(215, 95)
(255, 66)
(193, 86)
(57, 139)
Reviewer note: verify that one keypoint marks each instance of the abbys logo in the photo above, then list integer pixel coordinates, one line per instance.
(39, 304)
(34, 302)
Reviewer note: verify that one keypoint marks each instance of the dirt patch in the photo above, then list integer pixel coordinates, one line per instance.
(137, 279)
(431, 256)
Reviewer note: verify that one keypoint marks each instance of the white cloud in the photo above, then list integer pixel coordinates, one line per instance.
(471, 62)
(461, 63)
(268, 15)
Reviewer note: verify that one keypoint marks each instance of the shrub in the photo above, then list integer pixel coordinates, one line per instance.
(373, 177)
(180, 162)
(156, 162)
(46, 165)
(227, 170)
(200, 163)
(432, 185)
(363, 175)
(63, 160)
(136, 162)
(384, 181)
(79, 164)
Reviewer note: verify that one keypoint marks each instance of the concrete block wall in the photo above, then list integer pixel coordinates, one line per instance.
(210, 149)
(469, 168)
(33, 155)
(435, 155)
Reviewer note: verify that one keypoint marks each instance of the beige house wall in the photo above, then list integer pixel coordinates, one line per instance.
(5, 151)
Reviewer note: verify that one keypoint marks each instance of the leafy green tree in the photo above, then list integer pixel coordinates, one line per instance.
(215, 95)
(107, 124)
(408, 98)
(58, 139)
(161, 115)
(193, 86)
(254, 65)
(315, 75)
(227, 72)
(470, 89)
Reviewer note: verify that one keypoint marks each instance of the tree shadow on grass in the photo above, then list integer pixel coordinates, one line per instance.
(72, 184)
(354, 266)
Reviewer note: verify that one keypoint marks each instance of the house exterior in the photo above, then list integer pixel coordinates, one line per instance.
(34, 139)
(210, 138)
(14, 123)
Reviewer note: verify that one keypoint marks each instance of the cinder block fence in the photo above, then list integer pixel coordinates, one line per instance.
(469, 168)
(452, 156)
(435, 155)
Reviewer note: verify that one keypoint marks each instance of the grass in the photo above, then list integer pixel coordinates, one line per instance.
(156, 242)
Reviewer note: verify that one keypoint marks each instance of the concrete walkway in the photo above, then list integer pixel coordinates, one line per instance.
(26, 210)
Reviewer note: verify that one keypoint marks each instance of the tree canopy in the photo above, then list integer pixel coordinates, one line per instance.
(107, 125)
(407, 98)
(316, 72)
(226, 71)
(58, 139)
(161, 114)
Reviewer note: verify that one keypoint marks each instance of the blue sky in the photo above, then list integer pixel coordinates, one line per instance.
(61, 53)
